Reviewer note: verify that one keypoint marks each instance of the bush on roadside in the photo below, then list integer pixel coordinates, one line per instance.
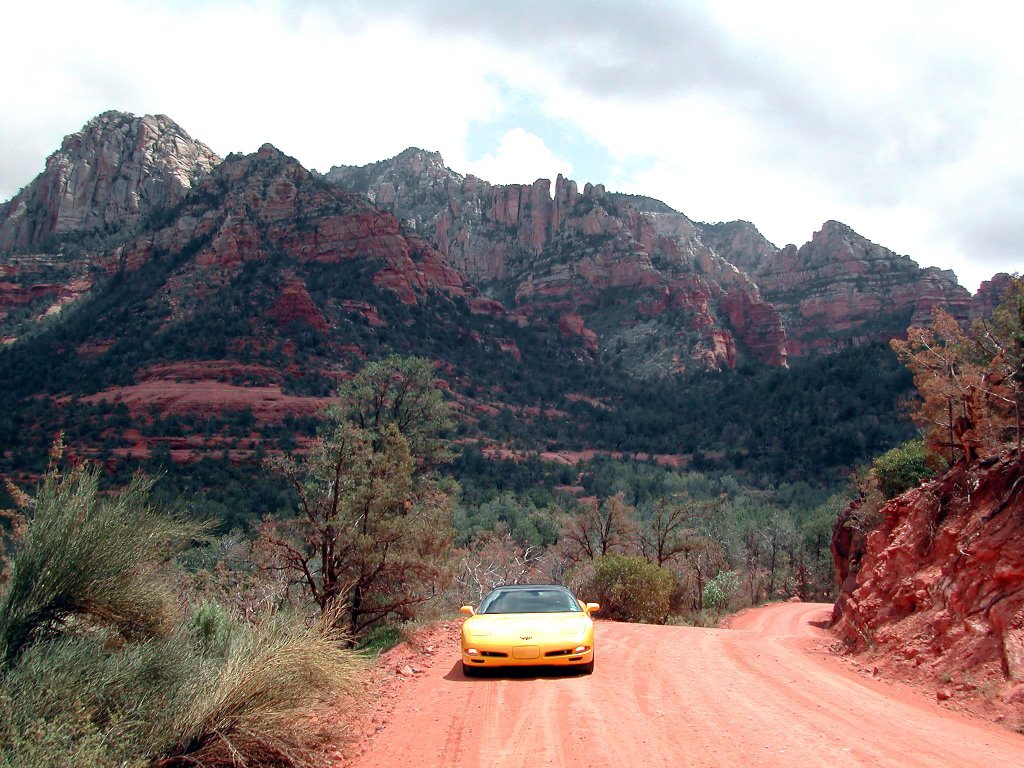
(259, 701)
(83, 560)
(95, 668)
(628, 588)
(720, 590)
(902, 468)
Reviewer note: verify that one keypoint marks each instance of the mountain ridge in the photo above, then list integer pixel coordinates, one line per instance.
(558, 256)
(529, 299)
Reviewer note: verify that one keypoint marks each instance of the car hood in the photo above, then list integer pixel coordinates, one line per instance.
(516, 626)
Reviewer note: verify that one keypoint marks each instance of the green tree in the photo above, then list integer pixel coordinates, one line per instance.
(375, 522)
(399, 392)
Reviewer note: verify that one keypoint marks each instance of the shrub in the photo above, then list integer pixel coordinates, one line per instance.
(720, 590)
(212, 626)
(902, 468)
(84, 557)
(96, 671)
(170, 701)
(74, 696)
(379, 639)
(257, 707)
(628, 588)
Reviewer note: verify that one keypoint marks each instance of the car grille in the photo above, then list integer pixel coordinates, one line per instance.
(566, 652)
(494, 654)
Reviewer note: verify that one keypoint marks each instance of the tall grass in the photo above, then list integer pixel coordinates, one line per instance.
(96, 670)
(83, 558)
(262, 701)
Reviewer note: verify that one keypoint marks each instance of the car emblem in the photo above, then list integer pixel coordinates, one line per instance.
(526, 637)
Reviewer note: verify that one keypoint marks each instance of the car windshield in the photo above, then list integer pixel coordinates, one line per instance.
(529, 601)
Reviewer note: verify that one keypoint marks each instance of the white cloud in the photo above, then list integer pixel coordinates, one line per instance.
(901, 119)
(520, 158)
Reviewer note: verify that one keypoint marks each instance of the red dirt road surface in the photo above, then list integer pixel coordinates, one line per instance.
(765, 692)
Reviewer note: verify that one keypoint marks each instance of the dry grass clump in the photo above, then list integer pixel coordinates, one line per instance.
(258, 706)
(96, 670)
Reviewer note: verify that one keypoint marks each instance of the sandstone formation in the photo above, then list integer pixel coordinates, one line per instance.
(939, 583)
(113, 172)
(616, 277)
(265, 204)
(840, 289)
(568, 255)
(989, 294)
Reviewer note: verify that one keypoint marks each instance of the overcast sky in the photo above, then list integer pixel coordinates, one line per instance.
(902, 119)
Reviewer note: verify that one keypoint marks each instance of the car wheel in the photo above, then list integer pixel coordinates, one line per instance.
(588, 668)
(468, 670)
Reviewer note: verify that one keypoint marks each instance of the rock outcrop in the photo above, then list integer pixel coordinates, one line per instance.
(637, 282)
(255, 206)
(939, 584)
(114, 171)
(576, 252)
(840, 289)
(568, 255)
(989, 294)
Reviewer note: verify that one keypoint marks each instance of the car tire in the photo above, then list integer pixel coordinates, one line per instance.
(468, 670)
(588, 668)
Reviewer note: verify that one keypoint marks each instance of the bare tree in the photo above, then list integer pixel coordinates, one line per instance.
(495, 558)
(673, 523)
(598, 530)
(705, 557)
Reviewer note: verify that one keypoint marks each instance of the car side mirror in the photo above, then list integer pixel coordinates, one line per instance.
(593, 607)
(467, 610)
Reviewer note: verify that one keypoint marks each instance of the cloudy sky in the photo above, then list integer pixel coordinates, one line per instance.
(900, 118)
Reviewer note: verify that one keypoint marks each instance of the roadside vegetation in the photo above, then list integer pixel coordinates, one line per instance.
(968, 405)
(101, 663)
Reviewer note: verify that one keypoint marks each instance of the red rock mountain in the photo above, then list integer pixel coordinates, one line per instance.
(263, 277)
(989, 295)
(215, 286)
(256, 206)
(625, 279)
(840, 289)
(115, 170)
(582, 256)
(938, 586)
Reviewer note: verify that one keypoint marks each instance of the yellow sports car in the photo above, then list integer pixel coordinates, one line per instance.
(528, 625)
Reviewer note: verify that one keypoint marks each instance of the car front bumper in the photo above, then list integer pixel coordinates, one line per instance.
(553, 654)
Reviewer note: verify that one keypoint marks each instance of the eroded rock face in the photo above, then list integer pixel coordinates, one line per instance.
(840, 289)
(940, 583)
(989, 294)
(566, 255)
(641, 277)
(115, 170)
(294, 305)
(257, 205)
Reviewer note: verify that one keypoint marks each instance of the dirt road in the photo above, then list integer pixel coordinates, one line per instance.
(765, 692)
